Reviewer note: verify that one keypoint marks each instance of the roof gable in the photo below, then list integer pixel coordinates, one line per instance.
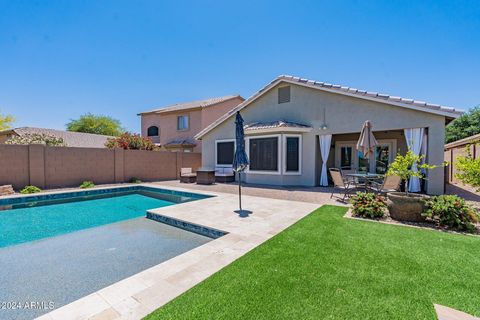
(343, 90)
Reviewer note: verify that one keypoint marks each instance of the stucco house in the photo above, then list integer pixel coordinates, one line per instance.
(173, 127)
(288, 120)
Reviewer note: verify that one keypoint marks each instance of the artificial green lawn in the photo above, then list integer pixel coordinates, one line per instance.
(329, 267)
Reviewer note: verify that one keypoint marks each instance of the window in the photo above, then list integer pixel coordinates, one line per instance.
(283, 94)
(182, 123)
(225, 152)
(292, 154)
(263, 154)
(152, 131)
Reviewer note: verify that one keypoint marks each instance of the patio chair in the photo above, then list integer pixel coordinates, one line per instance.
(224, 174)
(187, 176)
(340, 183)
(348, 170)
(389, 184)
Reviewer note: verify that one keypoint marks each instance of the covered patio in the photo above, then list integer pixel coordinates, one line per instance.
(344, 155)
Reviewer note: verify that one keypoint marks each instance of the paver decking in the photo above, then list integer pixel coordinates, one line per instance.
(142, 293)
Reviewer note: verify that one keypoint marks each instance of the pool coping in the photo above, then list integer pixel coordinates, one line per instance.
(138, 295)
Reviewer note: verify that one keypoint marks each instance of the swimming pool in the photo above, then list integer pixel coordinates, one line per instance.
(61, 247)
(36, 217)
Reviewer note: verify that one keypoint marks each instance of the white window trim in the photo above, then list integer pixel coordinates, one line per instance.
(279, 154)
(188, 122)
(216, 155)
(284, 155)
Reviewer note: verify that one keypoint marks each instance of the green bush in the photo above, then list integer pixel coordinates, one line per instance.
(37, 138)
(134, 180)
(452, 212)
(30, 189)
(130, 141)
(87, 184)
(368, 205)
(468, 169)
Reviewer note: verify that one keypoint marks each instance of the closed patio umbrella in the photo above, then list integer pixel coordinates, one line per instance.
(367, 142)
(240, 161)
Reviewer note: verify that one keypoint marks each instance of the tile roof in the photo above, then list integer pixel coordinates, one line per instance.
(181, 142)
(273, 125)
(448, 112)
(193, 104)
(71, 139)
(371, 94)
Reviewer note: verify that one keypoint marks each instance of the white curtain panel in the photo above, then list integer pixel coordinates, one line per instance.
(325, 142)
(414, 138)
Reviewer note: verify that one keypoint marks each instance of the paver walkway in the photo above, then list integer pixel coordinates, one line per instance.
(320, 195)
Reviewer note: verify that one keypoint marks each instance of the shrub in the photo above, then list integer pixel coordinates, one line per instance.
(129, 141)
(87, 184)
(403, 166)
(134, 180)
(368, 205)
(468, 170)
(452, 212)
(30, 189)
(37, 138)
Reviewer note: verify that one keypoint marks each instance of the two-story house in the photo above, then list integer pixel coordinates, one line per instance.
(174, 127)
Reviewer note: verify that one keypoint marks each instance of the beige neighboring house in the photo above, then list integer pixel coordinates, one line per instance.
(174, 127)
(71, 139)
(293, 126)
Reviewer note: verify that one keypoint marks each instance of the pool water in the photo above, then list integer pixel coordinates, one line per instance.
(61, 269)
(56, 248)
(26, 223)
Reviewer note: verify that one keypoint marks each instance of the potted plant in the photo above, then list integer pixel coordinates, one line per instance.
(404, 205)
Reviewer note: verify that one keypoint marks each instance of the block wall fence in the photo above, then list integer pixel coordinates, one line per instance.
(451, 154)
(54, 167)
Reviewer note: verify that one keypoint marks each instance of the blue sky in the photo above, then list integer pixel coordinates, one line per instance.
(60, 59)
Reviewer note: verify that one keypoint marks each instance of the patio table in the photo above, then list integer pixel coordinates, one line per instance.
(367, 178)
(205, 176)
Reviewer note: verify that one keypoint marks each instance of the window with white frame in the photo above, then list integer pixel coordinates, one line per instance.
(264, 154)
(182, 122)
(292, 153)
(225, 151)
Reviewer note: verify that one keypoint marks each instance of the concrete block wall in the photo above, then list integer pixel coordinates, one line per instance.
(55, 167)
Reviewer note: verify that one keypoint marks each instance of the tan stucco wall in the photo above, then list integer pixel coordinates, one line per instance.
(343, 115)
(167, 125)
(49, 167)
(212, 113)
(14, 167)
(199, 119)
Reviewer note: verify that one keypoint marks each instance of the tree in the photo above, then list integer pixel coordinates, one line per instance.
(465, 126)
(98, 124)
(468, 170)
(129, 141)
(402, 167)
(6, 121)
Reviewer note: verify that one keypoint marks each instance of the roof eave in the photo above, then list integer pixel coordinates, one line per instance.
(158, 111)
(281, 79)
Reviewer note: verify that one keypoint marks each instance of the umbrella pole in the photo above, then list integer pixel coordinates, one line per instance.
(239, 191)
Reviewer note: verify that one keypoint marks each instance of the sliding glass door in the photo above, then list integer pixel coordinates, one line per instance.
(347, 157)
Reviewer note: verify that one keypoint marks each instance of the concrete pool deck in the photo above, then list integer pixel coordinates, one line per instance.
(142, 293)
